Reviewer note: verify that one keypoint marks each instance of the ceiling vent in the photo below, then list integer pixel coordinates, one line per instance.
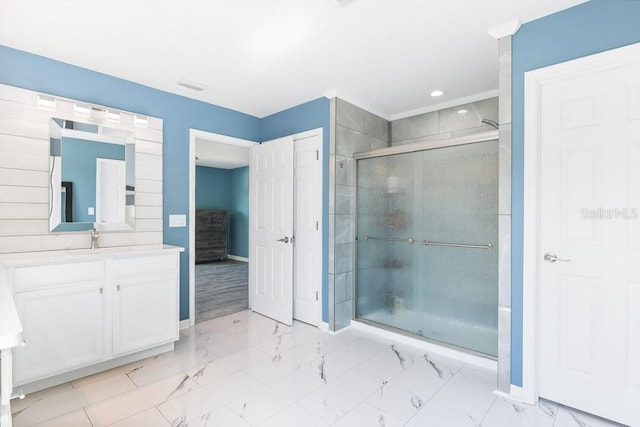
(190, 84)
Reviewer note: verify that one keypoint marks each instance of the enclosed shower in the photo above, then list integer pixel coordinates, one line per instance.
(427, 229)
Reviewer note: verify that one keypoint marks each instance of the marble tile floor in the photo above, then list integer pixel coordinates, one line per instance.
(247, 370)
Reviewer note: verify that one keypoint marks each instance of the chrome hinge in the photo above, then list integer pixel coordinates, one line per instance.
(317, 226)
(316, 295)
(317, 154)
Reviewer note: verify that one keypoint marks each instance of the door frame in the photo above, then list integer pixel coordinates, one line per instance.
(534, 81)
(194, 135)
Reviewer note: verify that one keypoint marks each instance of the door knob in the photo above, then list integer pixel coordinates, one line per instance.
(551, 257)
(284, 239)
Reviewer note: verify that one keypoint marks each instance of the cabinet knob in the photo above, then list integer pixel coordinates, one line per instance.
(101, 290)
(118, 287)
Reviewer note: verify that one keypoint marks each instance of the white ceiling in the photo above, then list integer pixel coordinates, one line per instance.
(216, 154)
(262, 56)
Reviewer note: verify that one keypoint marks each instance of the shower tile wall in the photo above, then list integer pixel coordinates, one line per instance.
(504, 217)
(445, 123)
(353, 130)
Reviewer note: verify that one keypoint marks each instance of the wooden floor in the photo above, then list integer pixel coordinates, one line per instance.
(222, 288)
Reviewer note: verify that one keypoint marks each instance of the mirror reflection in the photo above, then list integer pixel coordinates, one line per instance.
(92, 177)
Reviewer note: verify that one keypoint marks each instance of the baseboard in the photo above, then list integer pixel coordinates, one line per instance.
(184, 324)
(516, 393)
(238, 258)
(324, 327)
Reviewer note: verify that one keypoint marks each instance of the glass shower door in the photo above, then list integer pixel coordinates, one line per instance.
(427, 227)
(385, 266)
(460, 207)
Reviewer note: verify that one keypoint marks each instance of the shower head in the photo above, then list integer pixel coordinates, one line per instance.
(490, 123)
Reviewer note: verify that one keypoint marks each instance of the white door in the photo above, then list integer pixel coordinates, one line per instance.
(271, 229)
(110, 190)
(307, 256)
(589, 318)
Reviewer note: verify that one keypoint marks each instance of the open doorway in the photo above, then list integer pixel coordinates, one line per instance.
(218, 225)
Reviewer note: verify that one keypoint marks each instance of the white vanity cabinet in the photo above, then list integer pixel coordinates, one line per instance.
(85, 313)
(145, 302)
(62, 309)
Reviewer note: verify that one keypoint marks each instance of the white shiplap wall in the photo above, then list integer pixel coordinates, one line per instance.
(24, 178)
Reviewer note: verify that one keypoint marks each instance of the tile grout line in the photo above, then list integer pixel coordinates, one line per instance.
(87, 415)
(437, 391)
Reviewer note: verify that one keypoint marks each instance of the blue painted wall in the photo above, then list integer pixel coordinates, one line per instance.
(239, 212)
(227, 189)
(213, 188)
(583, 30)
(25, 70)
(79, 167)
(311, 115)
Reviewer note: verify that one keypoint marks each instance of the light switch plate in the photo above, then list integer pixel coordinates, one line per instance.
(177, 220)
(91, 210)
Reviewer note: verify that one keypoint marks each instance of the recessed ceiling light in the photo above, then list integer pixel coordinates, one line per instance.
(191, 84)
(462, 111)
(437, 92)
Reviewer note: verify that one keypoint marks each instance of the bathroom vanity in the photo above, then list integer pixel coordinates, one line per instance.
(81, 176)
(84, 311)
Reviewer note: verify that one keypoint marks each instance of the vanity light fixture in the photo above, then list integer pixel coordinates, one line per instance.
(141, 121)
(97, 114)
(81, 110)
(437, 93)
(113, 116)
(47, 102)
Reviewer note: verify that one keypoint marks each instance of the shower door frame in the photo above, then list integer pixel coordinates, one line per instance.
(437, 142)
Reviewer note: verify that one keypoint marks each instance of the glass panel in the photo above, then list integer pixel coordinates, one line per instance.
(447, 195)
(460, 205)
(385, 287)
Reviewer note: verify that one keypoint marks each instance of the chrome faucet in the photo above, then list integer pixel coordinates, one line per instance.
(94, 238)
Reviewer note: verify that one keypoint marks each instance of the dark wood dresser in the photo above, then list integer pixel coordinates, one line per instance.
(211, 235)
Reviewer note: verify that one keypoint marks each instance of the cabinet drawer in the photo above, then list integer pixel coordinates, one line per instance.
(42, 276)
(146, 264)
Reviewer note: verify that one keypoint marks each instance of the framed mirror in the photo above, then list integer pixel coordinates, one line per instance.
(91, 177)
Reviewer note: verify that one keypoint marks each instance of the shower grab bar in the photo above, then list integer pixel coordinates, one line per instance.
(456, 245)
(389, 239)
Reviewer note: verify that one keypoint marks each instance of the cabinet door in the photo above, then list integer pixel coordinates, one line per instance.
(63, 330)
(145, 312)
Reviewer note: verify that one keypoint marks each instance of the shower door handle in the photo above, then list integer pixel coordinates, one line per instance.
(551, 257)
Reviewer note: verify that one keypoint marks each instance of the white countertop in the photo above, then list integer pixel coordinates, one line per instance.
(15, 259)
